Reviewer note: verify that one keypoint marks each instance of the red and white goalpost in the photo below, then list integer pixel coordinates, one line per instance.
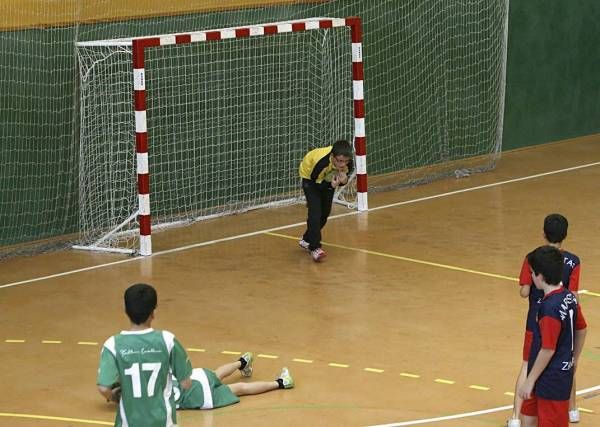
(110, 231)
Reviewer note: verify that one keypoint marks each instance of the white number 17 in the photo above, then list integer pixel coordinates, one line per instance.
(136, 382)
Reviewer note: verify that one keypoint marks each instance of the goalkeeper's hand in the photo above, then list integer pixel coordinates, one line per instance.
(342, 178)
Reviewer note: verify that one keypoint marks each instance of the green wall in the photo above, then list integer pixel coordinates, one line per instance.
(553, 73)
(552, 93)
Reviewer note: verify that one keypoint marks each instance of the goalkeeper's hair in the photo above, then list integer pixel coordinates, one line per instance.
(140, 302)
(342, 148)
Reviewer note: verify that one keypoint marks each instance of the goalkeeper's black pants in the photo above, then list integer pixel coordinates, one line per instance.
(319, 198)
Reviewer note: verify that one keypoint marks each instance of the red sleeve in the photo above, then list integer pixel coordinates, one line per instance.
(574, 279)
(580, 323)
(525, 276)
(550, 330)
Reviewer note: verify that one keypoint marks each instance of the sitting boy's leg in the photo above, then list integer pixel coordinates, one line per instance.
(244, 364)
(283, 381)
(255, 387)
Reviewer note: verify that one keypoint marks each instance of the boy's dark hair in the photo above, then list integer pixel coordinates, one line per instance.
(140, 301)
(547, 261)
(555, 228)
(342, 148)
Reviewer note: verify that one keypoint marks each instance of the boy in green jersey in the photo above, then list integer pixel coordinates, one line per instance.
(136, 366)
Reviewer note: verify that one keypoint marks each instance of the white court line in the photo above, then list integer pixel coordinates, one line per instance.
(466, 414)
(255, 233)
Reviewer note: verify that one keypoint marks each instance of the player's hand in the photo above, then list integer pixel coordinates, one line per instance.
(335, 182)
(525, 390)
(115, 393)
(342, 177)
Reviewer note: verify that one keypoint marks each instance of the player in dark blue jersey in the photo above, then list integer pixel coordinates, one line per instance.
(555, 232)
(558, 338)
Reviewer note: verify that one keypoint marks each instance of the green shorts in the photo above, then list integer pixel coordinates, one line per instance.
(207, 392)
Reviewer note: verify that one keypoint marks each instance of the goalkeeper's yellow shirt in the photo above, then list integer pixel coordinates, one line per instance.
(317, 165)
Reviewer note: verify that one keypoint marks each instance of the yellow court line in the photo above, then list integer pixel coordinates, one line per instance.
(509, 393)
(586, 292)
(45, 417)
(268, 356)
(413, 260)
(51, 342)
(302, 360)
(14, 341)
(479, 387)
(443, 381)
(198, 350)
(377, 371)
(338, 365)
(87, 343)
(231, 352)
(587, 411)
(407, 375)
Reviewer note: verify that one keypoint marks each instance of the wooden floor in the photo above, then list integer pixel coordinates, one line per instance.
(414, 315)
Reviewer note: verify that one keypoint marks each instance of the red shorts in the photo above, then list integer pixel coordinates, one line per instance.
(550, 413)
(527, 345)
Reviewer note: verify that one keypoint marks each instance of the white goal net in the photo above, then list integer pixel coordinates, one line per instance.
(228, 123)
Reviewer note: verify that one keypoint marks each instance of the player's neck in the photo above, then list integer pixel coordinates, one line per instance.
(140, 327)
(551, 288)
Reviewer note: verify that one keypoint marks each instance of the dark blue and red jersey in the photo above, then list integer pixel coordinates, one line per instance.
(559, 316)
(570, 280)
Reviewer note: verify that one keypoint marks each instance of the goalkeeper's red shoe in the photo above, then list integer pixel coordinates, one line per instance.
(318, 254)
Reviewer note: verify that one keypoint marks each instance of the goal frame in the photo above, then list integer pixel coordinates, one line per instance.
(140, 45)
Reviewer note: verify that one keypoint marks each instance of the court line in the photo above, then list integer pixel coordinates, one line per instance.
(413, 260)
(44, 417)
(284, 227)
(466, 414)
(586, 292)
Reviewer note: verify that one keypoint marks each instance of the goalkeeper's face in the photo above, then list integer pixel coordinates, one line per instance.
(340, 162)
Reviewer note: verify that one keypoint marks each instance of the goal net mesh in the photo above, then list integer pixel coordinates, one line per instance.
(228, 124)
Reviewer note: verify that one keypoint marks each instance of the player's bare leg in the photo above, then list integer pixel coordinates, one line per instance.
(574, 416)
(518, 402)
(284, 381)
(243, 364)
(226, 370)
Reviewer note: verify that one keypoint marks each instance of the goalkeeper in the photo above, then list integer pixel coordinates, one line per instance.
(322, 170)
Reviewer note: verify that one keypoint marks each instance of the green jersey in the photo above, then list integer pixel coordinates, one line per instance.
(141, 362)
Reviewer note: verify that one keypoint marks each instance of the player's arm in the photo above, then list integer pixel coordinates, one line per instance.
(578, 344)
(574, 279)
(525, 279)
(111, 394)
(550, 329)
(181, 365)
(541, 362)
(105, 391)
(579, 336)
(108, 373)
